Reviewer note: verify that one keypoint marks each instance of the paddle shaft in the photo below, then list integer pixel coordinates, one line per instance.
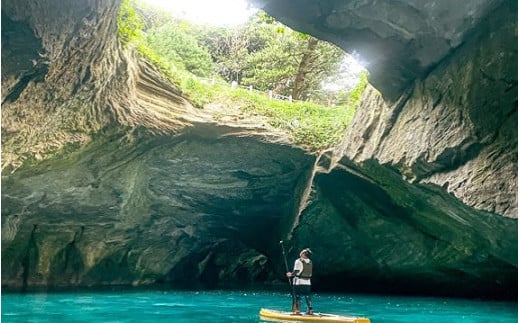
(288, 278)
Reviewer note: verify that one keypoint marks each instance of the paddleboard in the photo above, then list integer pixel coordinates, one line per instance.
(280, 316)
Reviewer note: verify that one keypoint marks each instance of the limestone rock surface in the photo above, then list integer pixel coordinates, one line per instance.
(457, 128)
(186, 210)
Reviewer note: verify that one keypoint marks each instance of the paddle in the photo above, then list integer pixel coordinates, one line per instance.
(294, 305)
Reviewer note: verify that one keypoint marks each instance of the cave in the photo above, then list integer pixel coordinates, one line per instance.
(111, 176)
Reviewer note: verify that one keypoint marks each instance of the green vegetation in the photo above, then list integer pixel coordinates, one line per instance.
(270, 56)
(130, 25)
(263, 54)
(354, 98)
(312, 125)
(178, 47)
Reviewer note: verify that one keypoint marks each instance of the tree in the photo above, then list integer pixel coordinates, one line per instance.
(175, 45)
(151, 16)
(228, 49)
(262, 53)
(290, 62)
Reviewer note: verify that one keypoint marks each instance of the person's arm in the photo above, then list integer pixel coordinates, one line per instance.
(298, 267)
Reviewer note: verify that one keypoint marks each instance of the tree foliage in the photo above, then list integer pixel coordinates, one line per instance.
(262, 53)
(228, 48)
(270, 56)
(177, 46)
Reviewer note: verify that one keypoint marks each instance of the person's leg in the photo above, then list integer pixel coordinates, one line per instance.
(309, 304)
(307, 293)
(297, 298)
(297, 302)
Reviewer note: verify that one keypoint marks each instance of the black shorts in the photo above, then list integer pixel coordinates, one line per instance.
(302, 290)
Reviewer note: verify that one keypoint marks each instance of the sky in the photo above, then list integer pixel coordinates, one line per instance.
(212, 12)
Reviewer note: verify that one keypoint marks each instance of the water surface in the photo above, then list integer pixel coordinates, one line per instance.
(240, 306)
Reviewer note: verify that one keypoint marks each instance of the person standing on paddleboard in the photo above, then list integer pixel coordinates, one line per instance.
(301, 276)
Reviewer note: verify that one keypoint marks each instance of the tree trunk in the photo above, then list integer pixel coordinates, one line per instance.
(303, 69)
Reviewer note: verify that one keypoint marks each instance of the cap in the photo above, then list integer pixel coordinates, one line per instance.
(306, 250)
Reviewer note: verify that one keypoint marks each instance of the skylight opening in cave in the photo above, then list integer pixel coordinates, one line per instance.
(348, 75)
(209, 12)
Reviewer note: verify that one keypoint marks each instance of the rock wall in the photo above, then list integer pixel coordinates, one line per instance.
(79, 80)
(186, 210)
(372, 231)
(389, 215)
(458, 127)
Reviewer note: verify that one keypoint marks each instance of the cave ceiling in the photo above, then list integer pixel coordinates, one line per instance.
(397, 41)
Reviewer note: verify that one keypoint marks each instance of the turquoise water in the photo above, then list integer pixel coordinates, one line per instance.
(237, 306)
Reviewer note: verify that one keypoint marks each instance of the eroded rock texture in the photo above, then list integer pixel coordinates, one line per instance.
(188, 209)
(371, 231)
(111, 177)
(458, 127)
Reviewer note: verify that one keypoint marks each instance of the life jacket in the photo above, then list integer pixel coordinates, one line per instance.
(307, 269)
